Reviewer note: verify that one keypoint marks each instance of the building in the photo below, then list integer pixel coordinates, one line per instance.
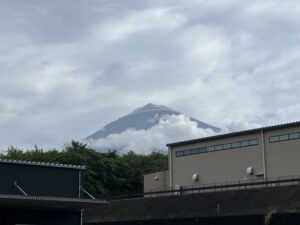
(250, 155)
(38, 193)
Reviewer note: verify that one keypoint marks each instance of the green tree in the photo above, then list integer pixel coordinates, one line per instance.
(105, 174)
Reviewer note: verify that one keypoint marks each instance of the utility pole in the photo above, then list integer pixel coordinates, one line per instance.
(218, 208)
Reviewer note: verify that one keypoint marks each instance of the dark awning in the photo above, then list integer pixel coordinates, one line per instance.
(41, 202)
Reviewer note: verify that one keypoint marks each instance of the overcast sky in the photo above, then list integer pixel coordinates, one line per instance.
(68, 67)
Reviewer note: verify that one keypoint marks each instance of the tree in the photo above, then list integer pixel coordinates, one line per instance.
(106, 173)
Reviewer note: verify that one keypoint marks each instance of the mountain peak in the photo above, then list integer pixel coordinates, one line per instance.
(142, 118)
(152, 107)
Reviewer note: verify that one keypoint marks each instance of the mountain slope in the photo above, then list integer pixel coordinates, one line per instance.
(142, 118)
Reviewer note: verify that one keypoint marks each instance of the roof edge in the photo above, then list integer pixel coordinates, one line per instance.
(237, 133)
(36, 163)
(49, 198)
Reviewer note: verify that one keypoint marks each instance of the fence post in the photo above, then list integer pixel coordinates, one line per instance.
(218, 208)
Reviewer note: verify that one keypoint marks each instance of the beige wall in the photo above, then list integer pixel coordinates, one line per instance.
(161, 183)
(283, 158)
(218, 166)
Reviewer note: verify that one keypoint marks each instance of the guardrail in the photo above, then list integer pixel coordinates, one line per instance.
(215, 187)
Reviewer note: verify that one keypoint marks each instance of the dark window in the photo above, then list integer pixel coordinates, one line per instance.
(244, 143)
(293, 136)
(218, 147)
(179, 153)
(195, 151)
(253, 142)
(227, 146)
(236, 145)
(273, 139)
(283, 137)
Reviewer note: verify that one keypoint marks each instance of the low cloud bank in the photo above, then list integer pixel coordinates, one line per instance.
(169, 129)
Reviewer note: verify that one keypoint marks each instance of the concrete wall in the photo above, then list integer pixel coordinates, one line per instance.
(277, 159)
(217, 166)
(152, 184)
(244, 202)
(282, 158)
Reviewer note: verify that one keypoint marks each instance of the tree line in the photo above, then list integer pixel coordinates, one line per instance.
(106, 174)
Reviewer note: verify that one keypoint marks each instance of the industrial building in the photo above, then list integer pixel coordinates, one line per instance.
(260, 154)
(39, 193)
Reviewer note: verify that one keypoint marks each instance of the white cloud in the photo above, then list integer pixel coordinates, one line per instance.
(67, 68)
(135, 22)
(169, 129)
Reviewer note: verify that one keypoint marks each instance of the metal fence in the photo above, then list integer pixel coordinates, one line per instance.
(222, 220)
(214, 187)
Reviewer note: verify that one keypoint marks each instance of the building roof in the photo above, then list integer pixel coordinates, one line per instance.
(34, 163)
(21, 201)
(238, 133)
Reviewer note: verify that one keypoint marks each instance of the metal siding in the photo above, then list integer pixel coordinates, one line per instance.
(13, 216)
(39, 181)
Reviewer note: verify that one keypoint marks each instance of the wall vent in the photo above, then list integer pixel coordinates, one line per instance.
(250, 170)
(195, 177)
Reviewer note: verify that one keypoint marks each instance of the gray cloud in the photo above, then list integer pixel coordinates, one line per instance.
(69, 67)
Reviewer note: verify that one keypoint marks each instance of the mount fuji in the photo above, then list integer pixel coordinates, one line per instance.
(148, 128)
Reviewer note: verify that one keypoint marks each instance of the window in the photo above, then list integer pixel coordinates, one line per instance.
(273, 139)
(218, 147)
(229, 145)
(187, 152)
(293, 136)
(244, 143)
(179, 153)
(253, 142)
(226, 146)
(210, 148)
(195, 151)
(202, 150)
(283, 137)
(236, 145)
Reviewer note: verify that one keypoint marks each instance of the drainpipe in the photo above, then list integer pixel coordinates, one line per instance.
(79, 184)
(263, 154)
(81, 217)
(170, 168)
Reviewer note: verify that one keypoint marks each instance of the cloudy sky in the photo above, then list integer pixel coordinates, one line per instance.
(68, 67)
